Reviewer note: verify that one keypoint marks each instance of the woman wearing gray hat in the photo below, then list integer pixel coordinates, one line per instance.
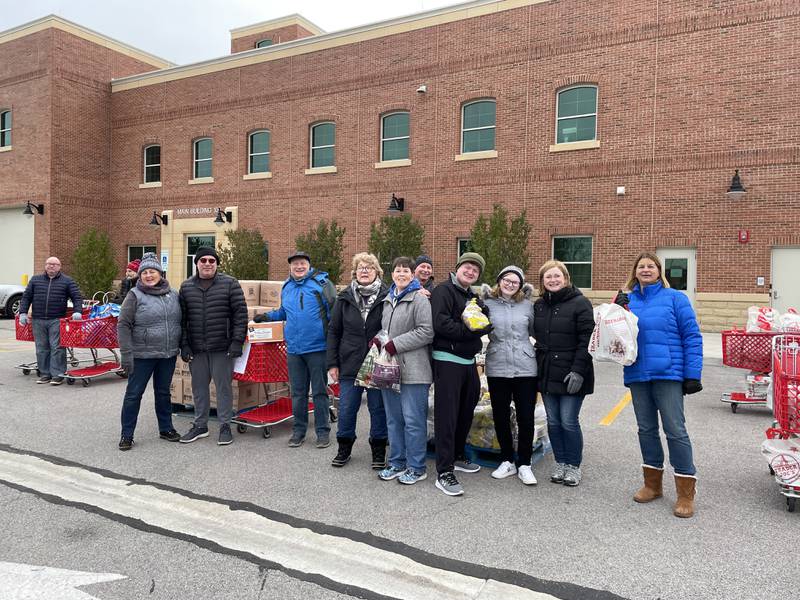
(149, 331)
(511, 370)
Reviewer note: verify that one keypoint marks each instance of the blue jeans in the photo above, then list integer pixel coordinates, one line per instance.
(665, 397)
(51, 358)
(407, 418)
(161, 370)
(350, 402)
(564, 428)
(305, 369)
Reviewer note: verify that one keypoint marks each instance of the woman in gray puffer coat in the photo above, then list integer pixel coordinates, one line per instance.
(149, 331)
(511, 370)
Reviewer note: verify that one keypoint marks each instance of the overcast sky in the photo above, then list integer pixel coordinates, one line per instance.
(185, 31)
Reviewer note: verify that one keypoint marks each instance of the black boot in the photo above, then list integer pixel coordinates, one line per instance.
(343, 454)
(378, 453)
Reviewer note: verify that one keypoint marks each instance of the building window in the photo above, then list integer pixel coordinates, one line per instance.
(464, 245)
(394, 136)
(136, 252)
(478, 126)
(152, 163)
(323, 145)
(5, 128)
(575, 252)
(202, 158)
(258, 152)
(264, 43)
(577, 114)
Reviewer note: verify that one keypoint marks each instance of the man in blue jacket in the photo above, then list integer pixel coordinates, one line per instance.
(48, 293)
(306, 301)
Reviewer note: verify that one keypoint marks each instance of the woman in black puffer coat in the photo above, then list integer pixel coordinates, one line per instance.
(563, 322)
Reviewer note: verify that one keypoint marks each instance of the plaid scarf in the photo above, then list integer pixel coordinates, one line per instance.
(365, 295)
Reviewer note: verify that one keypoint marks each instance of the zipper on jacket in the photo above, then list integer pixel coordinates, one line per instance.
(47, 298)
(166, 319)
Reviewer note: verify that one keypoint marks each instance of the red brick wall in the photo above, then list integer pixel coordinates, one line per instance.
(278, 35)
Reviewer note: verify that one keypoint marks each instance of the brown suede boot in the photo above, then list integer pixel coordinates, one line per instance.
(652, 485)
(685, 487)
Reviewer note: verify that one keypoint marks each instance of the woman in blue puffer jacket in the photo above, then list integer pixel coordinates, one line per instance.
(668, 365)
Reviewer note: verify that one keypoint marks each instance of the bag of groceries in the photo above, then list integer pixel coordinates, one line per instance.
(615, 333)
(473, 316)
(386, 372)
(364, 376)
(790, 321)
(762, 319)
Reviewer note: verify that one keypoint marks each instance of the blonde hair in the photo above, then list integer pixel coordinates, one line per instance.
(632, 281)
(367, 258)
(553, 264)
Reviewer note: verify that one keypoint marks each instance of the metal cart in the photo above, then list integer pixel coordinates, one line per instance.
(24, 333)
(753, 351)
(95, 335)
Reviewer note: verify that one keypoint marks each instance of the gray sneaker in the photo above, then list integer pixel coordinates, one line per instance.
(195, 433)
(465, 466)
(557, 474)
(572, 476)
(323, 440)
(225, 435)
(448, 483)
(296, 441)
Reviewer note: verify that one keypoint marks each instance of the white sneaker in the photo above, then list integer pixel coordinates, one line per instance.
(526, 475)
(506, 469)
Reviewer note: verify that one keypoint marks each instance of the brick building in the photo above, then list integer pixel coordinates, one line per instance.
(618, 127)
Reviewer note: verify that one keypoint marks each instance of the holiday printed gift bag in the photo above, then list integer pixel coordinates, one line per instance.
(386, 372)
(364, 376)
(615, 334)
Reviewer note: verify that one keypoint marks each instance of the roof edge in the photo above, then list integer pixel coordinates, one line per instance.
(293, 19)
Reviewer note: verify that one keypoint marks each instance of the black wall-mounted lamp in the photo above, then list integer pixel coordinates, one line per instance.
(30, 208)
(736, 191)
(223, 217)
(158, 220)
(397, 204)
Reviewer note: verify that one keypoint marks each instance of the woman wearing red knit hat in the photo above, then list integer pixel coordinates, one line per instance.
(131, 275)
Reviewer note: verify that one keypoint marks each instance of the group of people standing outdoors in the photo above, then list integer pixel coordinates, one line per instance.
(536, 346)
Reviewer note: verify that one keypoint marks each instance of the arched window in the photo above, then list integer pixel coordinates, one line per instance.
(478, 121)
(266, 42)
(202, 158)
(152, 163)
(258, 152)
(323, 145)
(576, 119)
(394, 136)
(5, 128)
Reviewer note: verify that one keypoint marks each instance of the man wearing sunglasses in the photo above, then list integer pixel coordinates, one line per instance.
(214, 330)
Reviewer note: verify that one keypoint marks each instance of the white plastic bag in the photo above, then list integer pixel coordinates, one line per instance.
(790, 321)
(614, 336)
(762, 318)
(473, 316)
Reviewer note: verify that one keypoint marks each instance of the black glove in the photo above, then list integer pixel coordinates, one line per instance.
(622, 299)
(127, 363)
(262, 318)
(186, 354)
(235, 350)
(485, 331)
(691, 386)
(574, 382)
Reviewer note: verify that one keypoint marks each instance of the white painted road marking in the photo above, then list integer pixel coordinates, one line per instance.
(333, 561)
(31, 582)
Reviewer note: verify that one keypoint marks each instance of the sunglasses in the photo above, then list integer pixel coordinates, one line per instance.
(207, 261)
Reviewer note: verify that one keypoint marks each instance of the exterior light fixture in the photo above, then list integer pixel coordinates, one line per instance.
(158, 220)
(30, 208)
(223, 217)
(397, 204)
(736, 191)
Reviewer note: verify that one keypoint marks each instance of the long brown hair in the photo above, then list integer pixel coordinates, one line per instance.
(632, 281)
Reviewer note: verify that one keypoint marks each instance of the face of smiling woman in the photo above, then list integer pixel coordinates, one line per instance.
(646, 272)
(150, 277)
(402, 276)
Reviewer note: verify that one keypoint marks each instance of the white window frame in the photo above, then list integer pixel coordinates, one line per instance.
(575, 262)
(142, 246)
(7, 129)
(146, 164)
(401, 137)
(312, 147)
(196, 160)
(251, 154)
(464, 129)
(594, 114)
(270, 40)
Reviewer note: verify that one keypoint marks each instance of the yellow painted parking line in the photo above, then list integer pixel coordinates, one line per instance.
(609, 418)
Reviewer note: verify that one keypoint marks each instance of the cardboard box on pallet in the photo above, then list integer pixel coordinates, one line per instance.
(252, 291)
(176, 390)
(245, 395)
(252, 311)
(265, 332)
(271, 293)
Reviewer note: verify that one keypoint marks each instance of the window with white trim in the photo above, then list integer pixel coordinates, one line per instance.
(575, 251)
(478, 120)
(576, 114)
(5, 128)
(258, 152)
(394, 136)
(265, 43)
(136, 252)
(202, 158)
(152, 163)
(323, 145)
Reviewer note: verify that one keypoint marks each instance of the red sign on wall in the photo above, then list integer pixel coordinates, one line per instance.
(744, 236)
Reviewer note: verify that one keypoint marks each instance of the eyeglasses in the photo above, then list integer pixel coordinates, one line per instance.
(509, 281)
(207, 261)
(365, 269)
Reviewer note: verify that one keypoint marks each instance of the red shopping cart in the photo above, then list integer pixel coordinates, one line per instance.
(752, 351)
(95, 335)
(24, 333)
(266, 363)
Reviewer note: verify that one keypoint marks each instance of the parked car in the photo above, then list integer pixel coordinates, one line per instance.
(10, 296)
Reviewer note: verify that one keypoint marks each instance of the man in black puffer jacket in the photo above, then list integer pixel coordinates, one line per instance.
(214, 330)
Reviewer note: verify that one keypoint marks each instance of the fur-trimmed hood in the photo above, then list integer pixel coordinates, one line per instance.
(486, 291)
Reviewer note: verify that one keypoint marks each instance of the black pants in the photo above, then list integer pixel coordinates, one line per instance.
(523, 392)
(455, 394)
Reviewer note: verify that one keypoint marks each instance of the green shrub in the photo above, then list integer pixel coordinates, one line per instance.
(325, 245)
(393, 236)
(245, 255)
(93, 264)
(501, 243)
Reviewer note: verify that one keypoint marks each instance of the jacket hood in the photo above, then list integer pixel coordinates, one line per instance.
(486, 291)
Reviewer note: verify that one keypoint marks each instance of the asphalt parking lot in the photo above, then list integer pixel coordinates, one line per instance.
(593, 536)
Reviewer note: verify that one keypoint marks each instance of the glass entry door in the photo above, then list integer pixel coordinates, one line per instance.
(680, 269)
(193, 242)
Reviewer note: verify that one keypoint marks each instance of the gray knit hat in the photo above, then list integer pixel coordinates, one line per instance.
(150, 261)
(512, 269)
(471, 257)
